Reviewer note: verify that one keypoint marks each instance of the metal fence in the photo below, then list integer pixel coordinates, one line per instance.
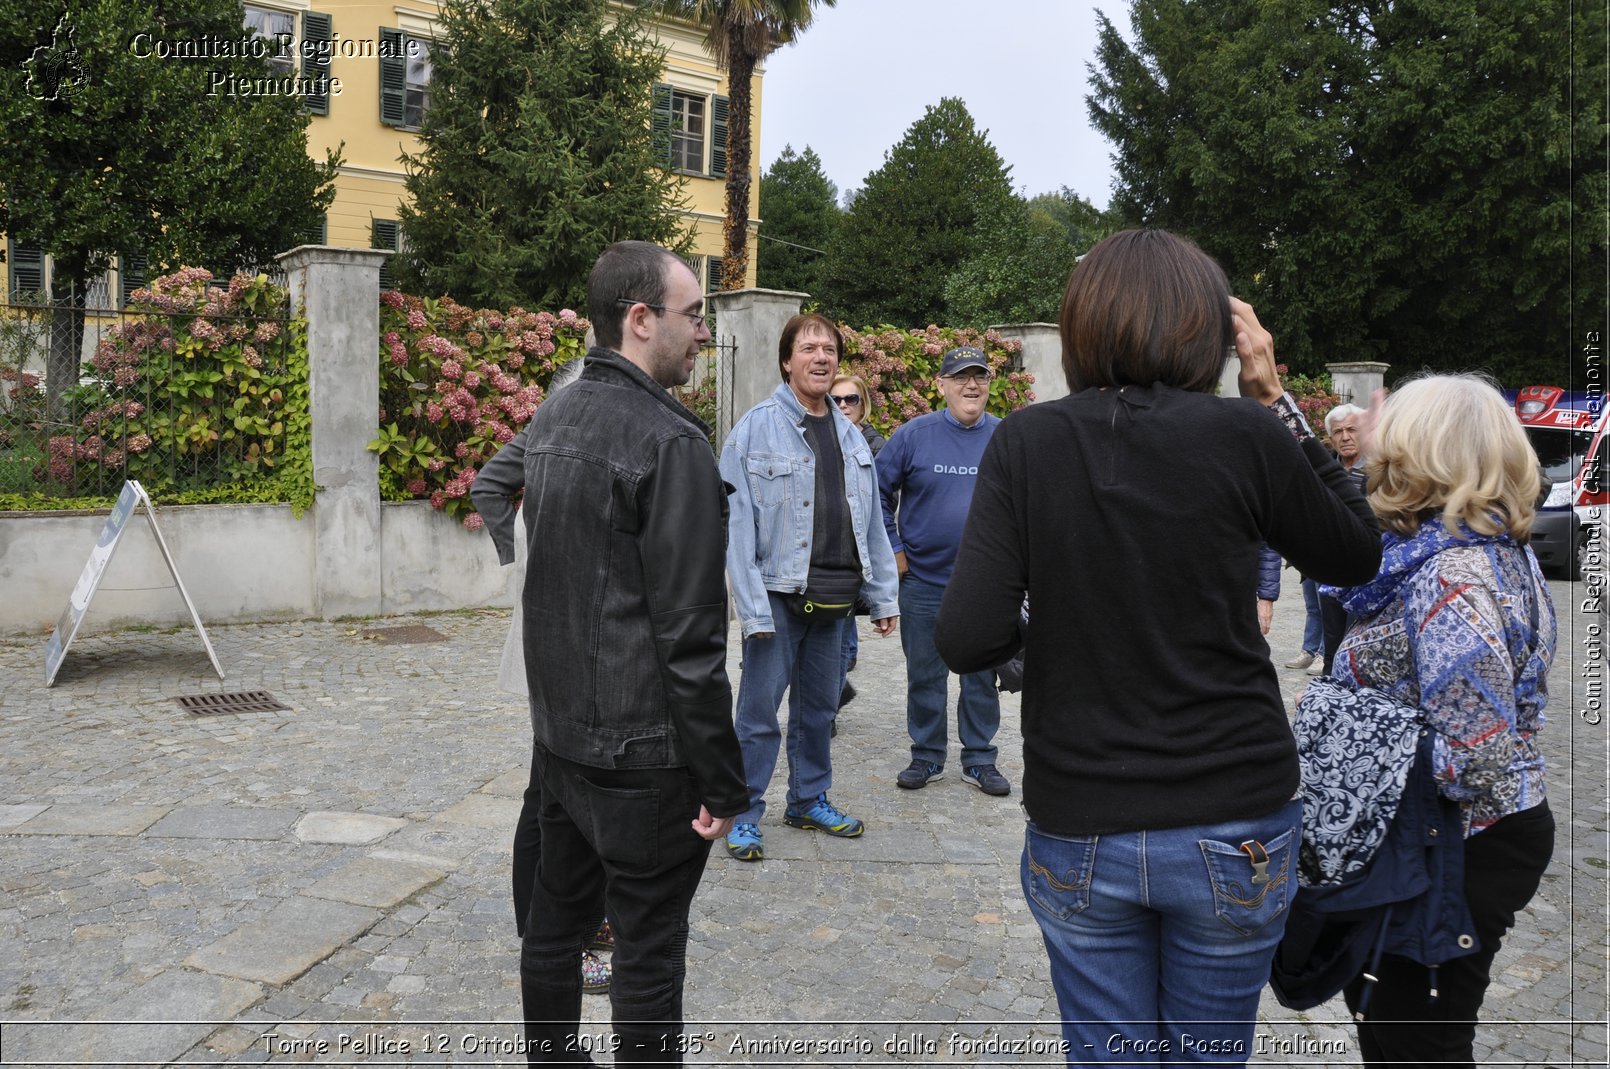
(187, 401)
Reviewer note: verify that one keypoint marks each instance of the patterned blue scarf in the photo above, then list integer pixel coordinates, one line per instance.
(1401, 557)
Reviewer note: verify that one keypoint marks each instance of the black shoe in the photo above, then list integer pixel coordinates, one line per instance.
(833, 728)
(987, 779)
(919, 774)
(851, 666)
(846, 695)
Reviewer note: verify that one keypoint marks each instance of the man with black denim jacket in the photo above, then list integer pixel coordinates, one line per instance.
(625, 618)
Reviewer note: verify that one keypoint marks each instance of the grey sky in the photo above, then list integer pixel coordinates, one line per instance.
(866, 69)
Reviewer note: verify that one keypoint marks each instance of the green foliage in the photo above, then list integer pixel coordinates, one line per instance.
(123, 151)
(456, 383)
(1017, 270)
(799, 205)
(1387, 182)
(914, 221)
(901, 369)
(201, 394)
(535, 154)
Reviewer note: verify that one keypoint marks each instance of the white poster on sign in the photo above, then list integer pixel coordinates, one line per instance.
(89, 580)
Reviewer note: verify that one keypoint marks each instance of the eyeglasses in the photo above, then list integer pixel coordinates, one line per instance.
(697, 317)
(970, 377)
(849, 400)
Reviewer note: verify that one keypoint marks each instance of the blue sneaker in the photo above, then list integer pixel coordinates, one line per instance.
(821, 816)
(743, 842)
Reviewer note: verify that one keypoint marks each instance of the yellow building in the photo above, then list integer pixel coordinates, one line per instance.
(379, 77)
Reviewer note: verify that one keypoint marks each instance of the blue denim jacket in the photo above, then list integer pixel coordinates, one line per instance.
(769, 534)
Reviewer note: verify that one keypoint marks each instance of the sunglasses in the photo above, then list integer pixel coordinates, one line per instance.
(849, 400)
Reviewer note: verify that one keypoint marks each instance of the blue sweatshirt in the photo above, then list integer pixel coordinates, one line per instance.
(925, 475)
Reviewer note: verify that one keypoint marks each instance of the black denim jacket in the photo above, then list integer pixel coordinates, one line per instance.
(625, 597)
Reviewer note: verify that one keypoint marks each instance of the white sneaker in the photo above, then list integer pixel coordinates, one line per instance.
(1318, 667)
(1302, 660)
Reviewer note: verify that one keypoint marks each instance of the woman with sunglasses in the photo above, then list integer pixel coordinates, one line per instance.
(850, 394)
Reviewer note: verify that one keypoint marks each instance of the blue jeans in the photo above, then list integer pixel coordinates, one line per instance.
(804, 659)
(978, 713)
(1314, 624)
(1159, 941)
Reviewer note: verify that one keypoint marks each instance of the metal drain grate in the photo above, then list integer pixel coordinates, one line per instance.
(240, 701)
(396, 636)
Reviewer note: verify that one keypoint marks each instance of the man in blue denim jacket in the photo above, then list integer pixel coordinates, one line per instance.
(805, 541)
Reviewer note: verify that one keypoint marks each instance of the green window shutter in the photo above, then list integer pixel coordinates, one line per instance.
(316, 235)
(662, 123)
(26, 265)
(712, 275)
(393, 77)
(718, 137)
(131, 270)
(317, 33)
(383, 234)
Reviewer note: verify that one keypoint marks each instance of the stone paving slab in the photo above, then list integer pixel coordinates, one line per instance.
(12, 815)
(88, 819)
(375, 882)
(353, 829)
(295, 936)
(156, 1023)
(484, 811)
(222, 822)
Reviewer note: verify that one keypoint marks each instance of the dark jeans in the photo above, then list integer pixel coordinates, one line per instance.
(1503, 866)
(527, 846)
(624, 833)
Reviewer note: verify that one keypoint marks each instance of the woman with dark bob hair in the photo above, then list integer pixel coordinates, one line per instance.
(1160, 773)
(1459, 624)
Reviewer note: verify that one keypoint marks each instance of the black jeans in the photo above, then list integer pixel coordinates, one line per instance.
(527, 846)
(624, 833)
(1503, 866)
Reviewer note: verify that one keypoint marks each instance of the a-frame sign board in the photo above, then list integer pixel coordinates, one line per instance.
(132, 497)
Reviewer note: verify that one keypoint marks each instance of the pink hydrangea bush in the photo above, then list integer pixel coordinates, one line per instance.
(199, 387)
(457, 383)
(900, 366)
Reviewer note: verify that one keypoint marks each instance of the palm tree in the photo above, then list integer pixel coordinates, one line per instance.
(740, 33)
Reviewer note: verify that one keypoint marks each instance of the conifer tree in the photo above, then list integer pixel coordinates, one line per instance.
(799, 216)
(535, 153)
(914, 222)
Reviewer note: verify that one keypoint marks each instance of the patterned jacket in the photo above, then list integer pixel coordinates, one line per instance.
(1464, 628)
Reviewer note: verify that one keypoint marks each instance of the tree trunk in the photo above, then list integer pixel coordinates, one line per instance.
(66, 346)
(735, 250)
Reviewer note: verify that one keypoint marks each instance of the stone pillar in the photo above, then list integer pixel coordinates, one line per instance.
(1357, 380)
(1042, 356)
(750, 321)
(338, 290)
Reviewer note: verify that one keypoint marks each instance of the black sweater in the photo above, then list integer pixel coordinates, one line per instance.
(1134, 517)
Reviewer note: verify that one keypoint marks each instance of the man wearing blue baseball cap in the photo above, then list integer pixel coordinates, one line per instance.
(926, 475)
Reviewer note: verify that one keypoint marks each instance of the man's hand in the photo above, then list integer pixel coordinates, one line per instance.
(900, 565)
(1266, 614)
(711, 828)
(1256, 348)
(885, 627)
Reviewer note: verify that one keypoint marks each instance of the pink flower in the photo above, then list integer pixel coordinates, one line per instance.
(399, 354)
(437, 499)
(139, 443)
(474, 522)
(471, 380)
(434, 412)
(416, 320)
(392, 299)
(452, 370)
(567, 316)
(417, 487)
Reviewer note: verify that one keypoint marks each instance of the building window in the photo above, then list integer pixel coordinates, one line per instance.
(712, 274)
(685, 123)
(386, 234)
(404, 78)
(25, 271)
(131, 271)
(278, 28)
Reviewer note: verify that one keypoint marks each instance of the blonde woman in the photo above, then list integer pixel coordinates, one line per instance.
(1459, 623)
(850, 394)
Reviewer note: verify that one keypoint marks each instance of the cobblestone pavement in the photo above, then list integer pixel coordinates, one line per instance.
(328, 884)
